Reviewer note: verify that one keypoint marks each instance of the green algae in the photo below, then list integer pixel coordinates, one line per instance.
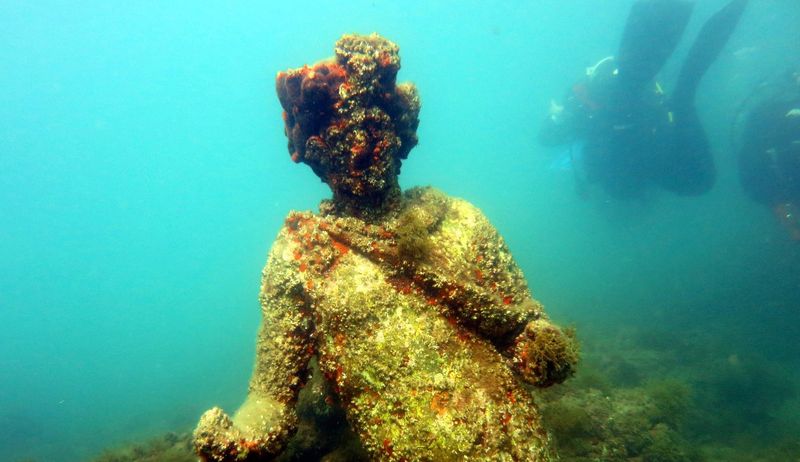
(672, 400)
(617, 425)
(171, 447)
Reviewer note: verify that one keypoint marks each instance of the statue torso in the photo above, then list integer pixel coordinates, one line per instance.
(396, 306)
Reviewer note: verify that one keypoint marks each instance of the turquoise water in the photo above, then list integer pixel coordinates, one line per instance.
(144, 174)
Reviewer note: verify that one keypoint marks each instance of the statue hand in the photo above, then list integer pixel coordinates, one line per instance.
(218, 438)
(543, 354)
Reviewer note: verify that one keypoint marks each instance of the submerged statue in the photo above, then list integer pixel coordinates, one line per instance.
(408, 306)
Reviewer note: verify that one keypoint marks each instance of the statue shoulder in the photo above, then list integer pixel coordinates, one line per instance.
(452, 220)
(296, 227)
(444, 207)
(282, 272)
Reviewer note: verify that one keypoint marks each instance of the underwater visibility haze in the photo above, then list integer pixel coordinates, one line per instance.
(144, 177)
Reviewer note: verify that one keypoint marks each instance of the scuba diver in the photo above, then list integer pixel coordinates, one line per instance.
(632, 135)
(769, 156)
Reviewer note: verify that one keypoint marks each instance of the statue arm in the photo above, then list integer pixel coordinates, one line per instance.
(498, 305)
(265, 421)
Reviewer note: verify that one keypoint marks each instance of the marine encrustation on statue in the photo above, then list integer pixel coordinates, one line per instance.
(408, 305)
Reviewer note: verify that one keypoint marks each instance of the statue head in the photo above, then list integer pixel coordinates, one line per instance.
(349, 121)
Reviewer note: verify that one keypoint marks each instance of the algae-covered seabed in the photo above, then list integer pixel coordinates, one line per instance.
(144, 174)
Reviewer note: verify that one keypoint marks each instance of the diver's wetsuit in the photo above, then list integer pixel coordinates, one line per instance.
(633, 135)
(769, 159)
